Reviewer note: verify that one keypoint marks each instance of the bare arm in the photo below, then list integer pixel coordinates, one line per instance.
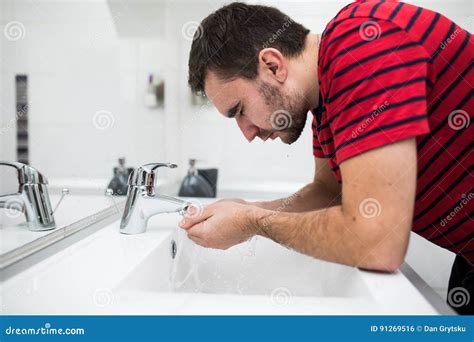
(370, 229)
(323, 192)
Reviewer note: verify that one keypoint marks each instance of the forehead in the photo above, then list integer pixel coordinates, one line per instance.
(225, 94)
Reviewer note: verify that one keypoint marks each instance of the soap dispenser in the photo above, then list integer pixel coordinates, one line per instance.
(194, 185)
(119, 183)
(150, 94)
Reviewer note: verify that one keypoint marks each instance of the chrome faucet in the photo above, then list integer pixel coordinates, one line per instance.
(143, 202)
(32, 197)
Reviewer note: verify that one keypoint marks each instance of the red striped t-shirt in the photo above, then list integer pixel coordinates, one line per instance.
(390, 71)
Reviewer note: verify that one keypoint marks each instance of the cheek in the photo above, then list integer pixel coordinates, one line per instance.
(256, 110)
(260, 117)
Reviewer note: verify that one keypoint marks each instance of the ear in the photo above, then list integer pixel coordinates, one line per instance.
(272, 65)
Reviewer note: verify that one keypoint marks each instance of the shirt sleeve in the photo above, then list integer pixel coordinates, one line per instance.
(376, 86)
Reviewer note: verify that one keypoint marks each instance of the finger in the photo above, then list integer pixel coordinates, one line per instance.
(197, 240)
(232, 199)
(197, 230)
(194, 214)
(194, 209)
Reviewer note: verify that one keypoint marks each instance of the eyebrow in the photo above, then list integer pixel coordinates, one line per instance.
(232, 111)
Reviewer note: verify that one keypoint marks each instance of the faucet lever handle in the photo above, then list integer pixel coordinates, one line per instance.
(64, 193)
(146, 174)
(153, 166)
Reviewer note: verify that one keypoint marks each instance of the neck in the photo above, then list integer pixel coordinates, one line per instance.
(310, 74)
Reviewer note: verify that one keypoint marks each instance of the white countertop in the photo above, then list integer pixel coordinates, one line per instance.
(89, 276)
(14, 232)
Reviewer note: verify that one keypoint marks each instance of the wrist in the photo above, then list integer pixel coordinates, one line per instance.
(258, 220)
(260, 204)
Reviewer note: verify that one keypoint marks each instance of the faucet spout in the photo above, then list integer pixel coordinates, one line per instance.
(143, 202)
(32, 197)
(141, 206)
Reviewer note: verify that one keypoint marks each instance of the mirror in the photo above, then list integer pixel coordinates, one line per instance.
(85, 83)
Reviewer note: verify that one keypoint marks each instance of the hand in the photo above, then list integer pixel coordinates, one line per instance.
(220, 225)
(233, 200)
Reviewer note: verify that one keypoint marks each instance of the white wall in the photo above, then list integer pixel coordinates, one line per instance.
(77, 66)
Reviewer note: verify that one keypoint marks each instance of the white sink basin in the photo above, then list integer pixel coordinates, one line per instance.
(111, 273)
(257, 267)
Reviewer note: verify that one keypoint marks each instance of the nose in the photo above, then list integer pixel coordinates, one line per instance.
(249, 130)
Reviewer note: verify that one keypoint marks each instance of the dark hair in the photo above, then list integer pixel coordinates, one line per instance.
(229, 40)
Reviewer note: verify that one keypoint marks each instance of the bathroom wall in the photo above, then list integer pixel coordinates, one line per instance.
(86, 89)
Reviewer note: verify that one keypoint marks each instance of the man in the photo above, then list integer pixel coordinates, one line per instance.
(390, 88)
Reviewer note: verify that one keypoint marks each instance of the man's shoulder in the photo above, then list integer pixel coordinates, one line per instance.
(399, 14)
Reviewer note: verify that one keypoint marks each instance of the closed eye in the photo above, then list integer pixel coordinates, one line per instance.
(233, 111)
